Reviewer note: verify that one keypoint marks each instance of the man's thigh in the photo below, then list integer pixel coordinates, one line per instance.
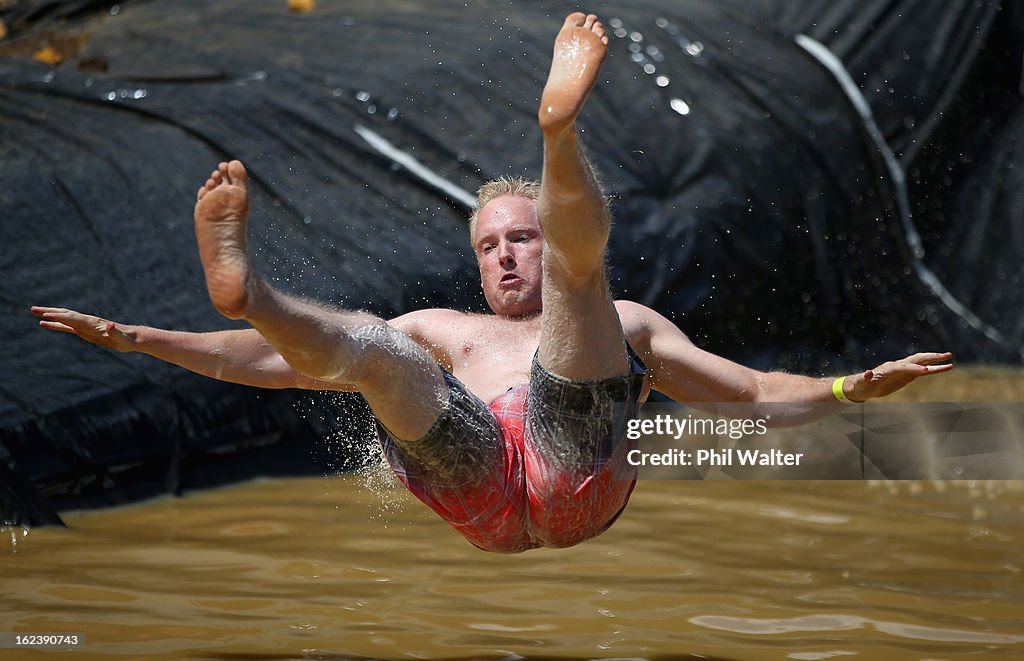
(468, 471)
(576, 453)
(579, 425)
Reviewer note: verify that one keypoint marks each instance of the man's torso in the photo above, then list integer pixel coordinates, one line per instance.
(491, 354)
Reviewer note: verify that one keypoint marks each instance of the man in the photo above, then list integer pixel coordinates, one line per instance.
(561, 364)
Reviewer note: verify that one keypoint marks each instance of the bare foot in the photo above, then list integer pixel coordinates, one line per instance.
(222, 209)
(580, 48)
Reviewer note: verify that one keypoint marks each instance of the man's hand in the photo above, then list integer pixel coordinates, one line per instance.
(97, 330)
(889, 377)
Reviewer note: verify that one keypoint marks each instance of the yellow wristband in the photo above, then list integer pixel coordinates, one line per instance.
(837, 390)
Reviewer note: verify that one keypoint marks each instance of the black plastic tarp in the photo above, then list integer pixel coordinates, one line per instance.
(755, 204)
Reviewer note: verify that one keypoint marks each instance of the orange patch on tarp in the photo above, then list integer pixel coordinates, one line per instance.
(48, 55)
(301, 6)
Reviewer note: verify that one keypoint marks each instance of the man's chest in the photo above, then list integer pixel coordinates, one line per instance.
(490, 358)
(494, 345)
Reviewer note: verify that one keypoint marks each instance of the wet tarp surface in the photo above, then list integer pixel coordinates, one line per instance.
(757, 204)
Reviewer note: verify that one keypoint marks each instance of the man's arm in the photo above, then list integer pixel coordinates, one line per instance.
(237, 356)
(690, 375)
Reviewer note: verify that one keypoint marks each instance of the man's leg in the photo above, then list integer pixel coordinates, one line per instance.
(401, 382)
(581, 337)
(578, 479)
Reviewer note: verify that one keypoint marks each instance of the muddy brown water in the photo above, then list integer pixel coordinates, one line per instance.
(352, 566)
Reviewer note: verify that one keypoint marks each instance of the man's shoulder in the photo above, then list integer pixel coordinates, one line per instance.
(640, 323)
(633, 312)
(622, 304)
(432, 324)
(428, 315)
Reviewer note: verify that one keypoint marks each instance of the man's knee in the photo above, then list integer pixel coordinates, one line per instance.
(577, 264)
(461, 445)
(384, 354)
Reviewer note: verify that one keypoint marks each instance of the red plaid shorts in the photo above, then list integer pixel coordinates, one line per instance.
(542, 465)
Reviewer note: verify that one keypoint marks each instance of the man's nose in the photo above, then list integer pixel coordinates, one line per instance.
(506, 255)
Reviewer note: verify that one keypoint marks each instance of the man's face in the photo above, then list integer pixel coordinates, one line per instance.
(509, 247)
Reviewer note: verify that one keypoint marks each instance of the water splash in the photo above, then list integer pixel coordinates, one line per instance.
(351, 447)
(648, 55)
(125, 94)
(14, 530)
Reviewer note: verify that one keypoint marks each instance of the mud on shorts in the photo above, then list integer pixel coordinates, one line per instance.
(542, 465)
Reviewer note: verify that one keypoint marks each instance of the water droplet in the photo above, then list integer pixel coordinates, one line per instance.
(695, 48)
(661, 81)
(679, 106)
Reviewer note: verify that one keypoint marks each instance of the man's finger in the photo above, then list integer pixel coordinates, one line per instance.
(929, 357)
(57, 326)
(937, 369)
(66, 316)
(39, 310)
(939, 357)
(915, 370)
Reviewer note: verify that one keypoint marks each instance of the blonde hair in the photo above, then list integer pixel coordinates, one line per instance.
(514, 186)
